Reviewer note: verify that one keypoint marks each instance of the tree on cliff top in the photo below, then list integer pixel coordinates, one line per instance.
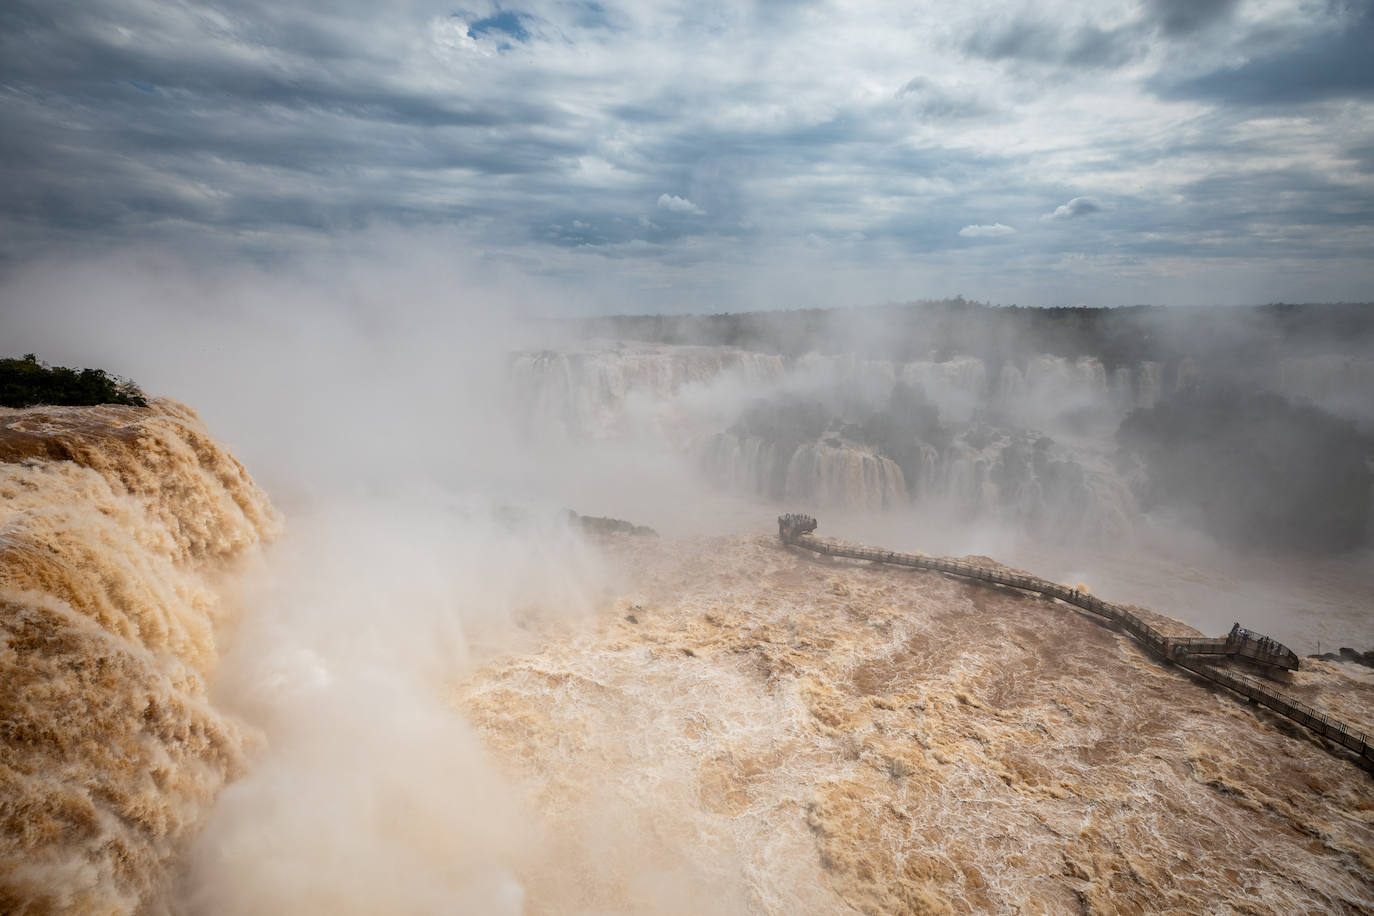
(27, 382)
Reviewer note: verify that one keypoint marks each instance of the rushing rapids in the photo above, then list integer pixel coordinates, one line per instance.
(116, 524)
(778, 733)
(1239, 644)
(720, 724)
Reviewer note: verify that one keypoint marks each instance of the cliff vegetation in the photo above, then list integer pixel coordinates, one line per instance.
(28, 382)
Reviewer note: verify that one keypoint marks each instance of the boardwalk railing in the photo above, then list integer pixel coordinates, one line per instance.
(1184, 652)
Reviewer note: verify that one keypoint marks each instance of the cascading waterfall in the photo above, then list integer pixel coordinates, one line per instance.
(747, 465)
(836, 473)
(115, 525)
(588, 393)
(678, 719)
(1027, 442)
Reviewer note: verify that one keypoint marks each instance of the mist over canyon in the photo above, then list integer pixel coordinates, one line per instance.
(412, 663)
(1099, 442)
(515, 459)
(450, 706)
(957, 409)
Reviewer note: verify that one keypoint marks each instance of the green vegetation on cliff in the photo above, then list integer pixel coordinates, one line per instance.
(27, 382)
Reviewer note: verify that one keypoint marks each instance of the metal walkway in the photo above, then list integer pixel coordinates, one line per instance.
(796, 530)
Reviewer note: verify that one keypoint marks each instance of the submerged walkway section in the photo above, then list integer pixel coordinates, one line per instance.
(1184, 652)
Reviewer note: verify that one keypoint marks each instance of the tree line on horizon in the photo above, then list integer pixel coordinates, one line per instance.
(29, 382)
(942, 328)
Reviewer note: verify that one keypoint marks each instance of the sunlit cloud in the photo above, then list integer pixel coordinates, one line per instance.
(989, 231)
(1079, 206)
(678, 204)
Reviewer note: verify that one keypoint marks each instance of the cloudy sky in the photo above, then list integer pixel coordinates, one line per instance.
(703, 156)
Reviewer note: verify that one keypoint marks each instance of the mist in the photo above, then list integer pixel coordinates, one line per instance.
(422, 441)
(483, 347)
(372, 793)
(1212, 464)
(424, 533)
(390, 366)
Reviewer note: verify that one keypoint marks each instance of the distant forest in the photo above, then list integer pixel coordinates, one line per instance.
(27, 382)
(939, 329)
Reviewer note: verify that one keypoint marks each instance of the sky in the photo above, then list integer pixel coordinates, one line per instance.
(704, 156)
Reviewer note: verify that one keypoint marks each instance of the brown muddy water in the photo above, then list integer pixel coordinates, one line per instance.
(718, 725)
(779, 733)
(117, 526)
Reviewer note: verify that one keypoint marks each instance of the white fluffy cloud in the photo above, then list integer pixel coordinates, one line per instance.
(1079, 206)
(982, 232)
(678, 204)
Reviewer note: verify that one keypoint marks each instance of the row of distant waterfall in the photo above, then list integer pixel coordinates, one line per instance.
(593, 391)
(1026, 443)
(1000, 474)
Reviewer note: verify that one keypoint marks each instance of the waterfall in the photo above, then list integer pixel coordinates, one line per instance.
(842, 474)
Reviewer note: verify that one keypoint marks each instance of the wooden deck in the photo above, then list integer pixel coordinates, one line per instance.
(1186, 653)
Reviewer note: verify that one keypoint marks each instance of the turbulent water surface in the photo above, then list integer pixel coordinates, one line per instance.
(777, 733)
(115, 528)
(465, 716)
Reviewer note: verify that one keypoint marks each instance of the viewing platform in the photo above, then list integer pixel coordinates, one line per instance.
(1185, 652)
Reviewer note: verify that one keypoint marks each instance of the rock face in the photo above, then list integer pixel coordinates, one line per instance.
(1348, 656)
(1256, 469)
(599, 524)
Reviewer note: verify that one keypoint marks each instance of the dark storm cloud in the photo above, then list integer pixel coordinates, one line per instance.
(1183, 17)
(1290, 199)
(1293, 212)
(232, 117)
(1362, 156)
(80, 62)
(552, 131)
(1027, 39)
(1088, 45)
(932, 102)
(1335, 62)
